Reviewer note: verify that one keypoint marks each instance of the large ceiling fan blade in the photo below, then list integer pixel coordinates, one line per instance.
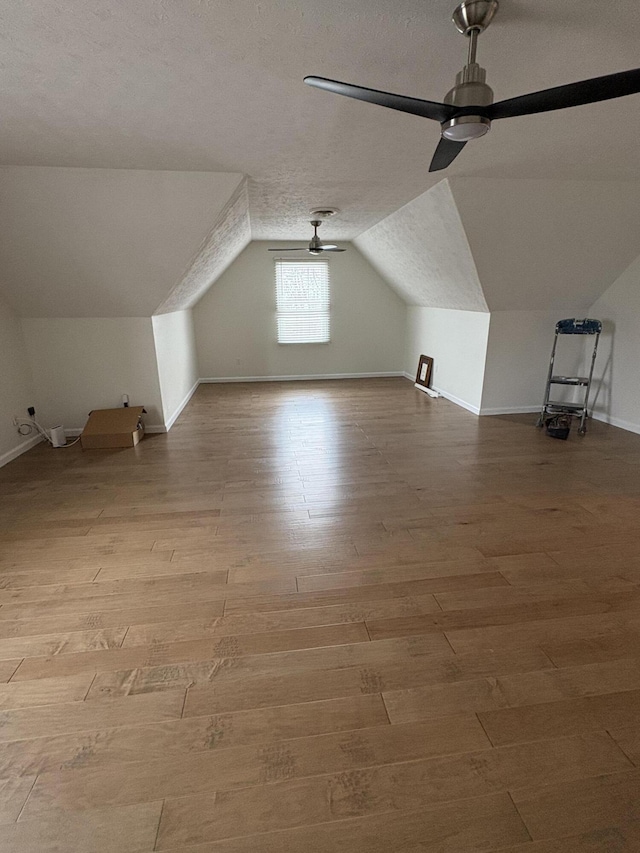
(296, 249)
(572, 95)
(445, 154)
(415, 106)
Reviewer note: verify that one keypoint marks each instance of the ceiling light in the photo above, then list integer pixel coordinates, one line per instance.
(464, 128)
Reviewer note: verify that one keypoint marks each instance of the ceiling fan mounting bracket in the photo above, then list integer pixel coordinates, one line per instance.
(474, 16)
(323, 213)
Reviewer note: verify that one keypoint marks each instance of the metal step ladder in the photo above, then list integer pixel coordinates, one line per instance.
(571, 326)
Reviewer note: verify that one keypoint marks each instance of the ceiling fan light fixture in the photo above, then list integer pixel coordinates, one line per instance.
(464, 128)
(316, 246)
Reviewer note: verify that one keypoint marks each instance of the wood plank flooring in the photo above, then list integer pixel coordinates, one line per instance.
(336, 617)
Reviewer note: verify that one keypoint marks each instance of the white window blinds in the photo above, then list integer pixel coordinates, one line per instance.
(302, 301)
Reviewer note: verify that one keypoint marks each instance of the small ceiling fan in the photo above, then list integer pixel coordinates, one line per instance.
(316, 246)
(468, 109)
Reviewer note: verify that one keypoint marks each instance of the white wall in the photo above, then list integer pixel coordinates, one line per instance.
(81, 364)
(16, 386)
(518, 356)
(236, 326)
(457, 342)
(616, 388)
(177, 361)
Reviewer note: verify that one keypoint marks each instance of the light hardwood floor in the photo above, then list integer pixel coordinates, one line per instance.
(335, 617)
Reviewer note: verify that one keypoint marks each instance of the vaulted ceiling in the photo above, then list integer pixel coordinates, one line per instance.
(102, 242)
(210, 86)
(191, 132)
(422, 250)
(486, 244)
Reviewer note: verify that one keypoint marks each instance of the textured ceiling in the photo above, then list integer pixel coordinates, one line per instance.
(486, 244)
(228, 237)
(423, 252)
(102, 242)
(210, 86)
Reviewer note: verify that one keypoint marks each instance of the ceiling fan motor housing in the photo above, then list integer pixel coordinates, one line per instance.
(470, 90)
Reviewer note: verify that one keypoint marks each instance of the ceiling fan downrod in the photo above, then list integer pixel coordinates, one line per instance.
(471, 18)
(315, 246)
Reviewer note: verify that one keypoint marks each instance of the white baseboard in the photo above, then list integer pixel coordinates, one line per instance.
(174, 417)
(221, 379)
(451, 397)
(512, 410)
(616, 422)
(150, 428)
(462, 403)
(21, 448)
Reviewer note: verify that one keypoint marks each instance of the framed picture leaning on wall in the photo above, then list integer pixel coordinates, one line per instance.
(425, 367)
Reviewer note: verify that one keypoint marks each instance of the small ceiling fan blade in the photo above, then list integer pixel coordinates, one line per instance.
(415, 106)
(445, 154)
(332, 249)
(296, 249)
(572, 95)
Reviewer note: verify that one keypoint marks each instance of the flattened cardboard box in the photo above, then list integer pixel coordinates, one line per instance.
(109, 428)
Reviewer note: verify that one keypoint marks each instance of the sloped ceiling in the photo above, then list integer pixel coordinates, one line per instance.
(422, 251)
(485, 244)
(543, 245)
(210, 86)
(208, 92)
(228, 237)
(102, 242)
(108, 243)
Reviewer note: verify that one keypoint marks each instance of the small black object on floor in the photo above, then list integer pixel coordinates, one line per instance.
(559, 426)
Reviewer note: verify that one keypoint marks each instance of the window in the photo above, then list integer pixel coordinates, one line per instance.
(302, 302)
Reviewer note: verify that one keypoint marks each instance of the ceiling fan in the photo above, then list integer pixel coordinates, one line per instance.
(316, 246)
(468, 109)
